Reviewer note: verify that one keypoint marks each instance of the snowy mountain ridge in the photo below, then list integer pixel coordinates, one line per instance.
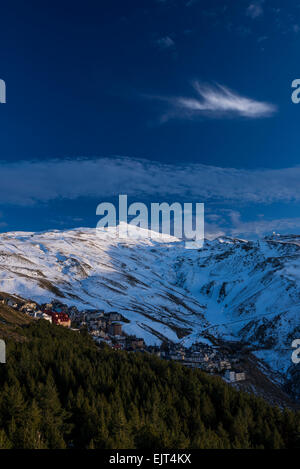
(231, 288)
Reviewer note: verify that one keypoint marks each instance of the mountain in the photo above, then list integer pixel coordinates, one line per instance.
(230, 290)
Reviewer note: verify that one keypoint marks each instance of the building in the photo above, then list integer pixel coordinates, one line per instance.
(240, 376)
(103, 340)
(60, 319)
(47, 317)
(177, 356)
(114, 316)
(73, 311)
(117, 346)
(29, 306)
(233, 376)
(137, 343)
(225, 365)
(196, 358)
(230, 376)
(12, 304)
(93, 326)
(115, 329)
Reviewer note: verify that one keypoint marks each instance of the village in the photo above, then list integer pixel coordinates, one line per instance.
(107, 328)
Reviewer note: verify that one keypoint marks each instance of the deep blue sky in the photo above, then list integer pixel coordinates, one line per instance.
(99, 79)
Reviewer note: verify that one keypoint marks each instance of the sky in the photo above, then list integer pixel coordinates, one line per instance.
(163, 100)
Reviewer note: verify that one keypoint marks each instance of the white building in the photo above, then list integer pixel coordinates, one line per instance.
(47, 317)
(233, 377)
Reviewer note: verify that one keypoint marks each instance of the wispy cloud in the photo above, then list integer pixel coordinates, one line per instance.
(255, 9)
(44, 181)
(262, 39)
(260, 227)
(165, 42)
(232, 224)
(227, 192)
(216, 102)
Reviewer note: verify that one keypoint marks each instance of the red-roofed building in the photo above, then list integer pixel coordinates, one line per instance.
(117, 347)
(60, 319)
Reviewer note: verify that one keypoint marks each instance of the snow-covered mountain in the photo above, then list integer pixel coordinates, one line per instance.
(251, 291)
(234, 289)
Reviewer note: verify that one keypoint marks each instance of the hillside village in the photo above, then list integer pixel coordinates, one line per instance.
(107, 328)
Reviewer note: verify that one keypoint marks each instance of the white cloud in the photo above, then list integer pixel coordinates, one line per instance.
(234, 226)
(165, 42)
(41, 182)
(262, 226)
(255, 9)
(27, 183)
(216, 102)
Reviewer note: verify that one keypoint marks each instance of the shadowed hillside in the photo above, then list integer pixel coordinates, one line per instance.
(59, 390)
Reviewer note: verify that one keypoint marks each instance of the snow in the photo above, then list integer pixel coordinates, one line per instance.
(233, 288)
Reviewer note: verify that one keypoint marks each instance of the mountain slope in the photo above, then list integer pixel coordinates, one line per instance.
(90, 271)
(251, 290)
(231, 289)
(79, 396)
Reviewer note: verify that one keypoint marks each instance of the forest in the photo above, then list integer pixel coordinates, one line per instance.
(59, 390)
